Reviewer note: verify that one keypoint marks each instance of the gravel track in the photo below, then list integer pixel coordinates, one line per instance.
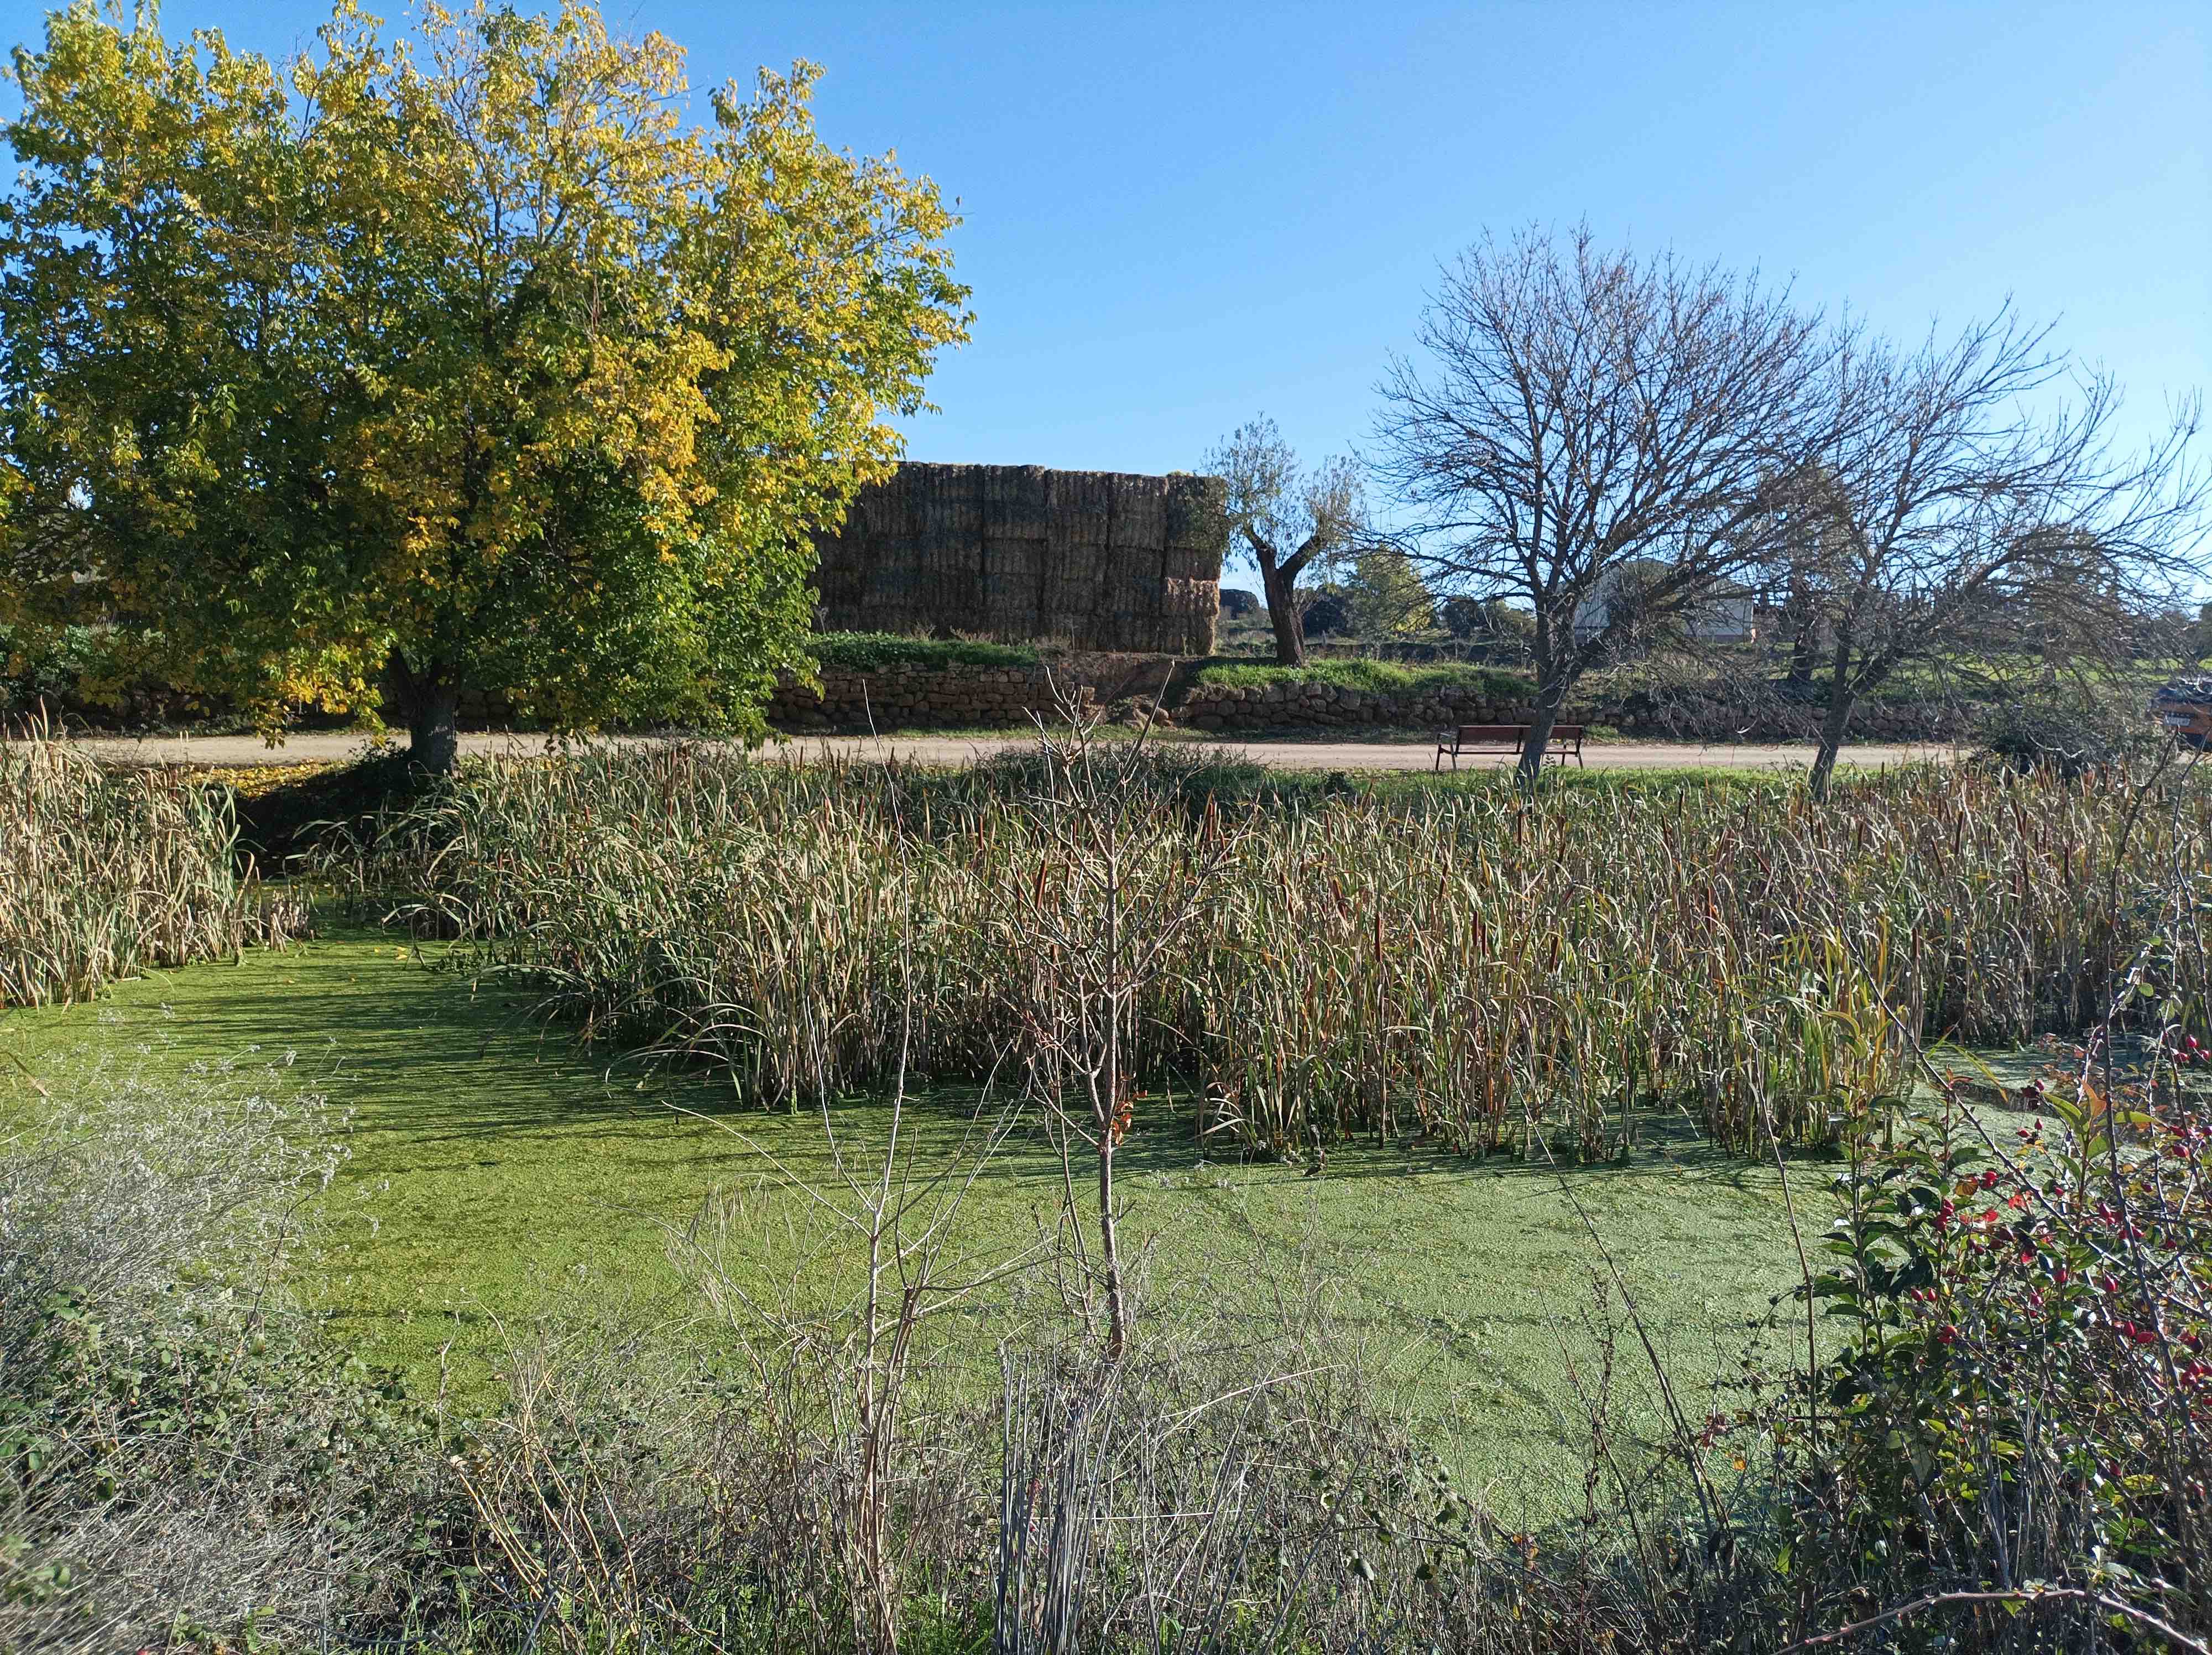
(1317, 755)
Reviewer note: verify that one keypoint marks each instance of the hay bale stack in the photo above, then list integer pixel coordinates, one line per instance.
(1102, 560)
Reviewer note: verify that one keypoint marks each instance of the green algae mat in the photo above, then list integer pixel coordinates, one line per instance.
(496, 1174)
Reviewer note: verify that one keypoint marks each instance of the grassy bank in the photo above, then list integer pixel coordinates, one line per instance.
(876, 652)
(1381, 678)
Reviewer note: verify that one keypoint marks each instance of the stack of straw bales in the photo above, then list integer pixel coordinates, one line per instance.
(1102, 560)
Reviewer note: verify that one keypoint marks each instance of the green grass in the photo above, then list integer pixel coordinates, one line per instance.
(494, 1172)
(872, 652)
(1383, 678)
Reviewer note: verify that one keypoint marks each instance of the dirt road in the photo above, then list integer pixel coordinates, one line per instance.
(228, 750)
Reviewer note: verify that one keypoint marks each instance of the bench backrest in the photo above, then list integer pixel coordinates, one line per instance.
(1515, 733)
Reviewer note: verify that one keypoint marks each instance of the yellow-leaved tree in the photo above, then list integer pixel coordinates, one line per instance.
(447, 363)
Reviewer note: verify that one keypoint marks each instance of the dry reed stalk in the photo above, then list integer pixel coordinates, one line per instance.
(106, 872)
(1477, 971)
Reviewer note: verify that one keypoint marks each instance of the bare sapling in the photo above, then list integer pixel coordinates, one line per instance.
(1119, 886)
(862, 1351)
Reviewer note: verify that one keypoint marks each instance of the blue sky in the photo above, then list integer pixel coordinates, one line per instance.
(1176, 217)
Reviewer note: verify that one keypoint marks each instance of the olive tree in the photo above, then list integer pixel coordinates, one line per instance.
(448, 363)
(1292, 521)
(1578, 414)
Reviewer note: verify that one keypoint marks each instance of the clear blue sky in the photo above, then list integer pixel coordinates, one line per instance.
(1178, 216)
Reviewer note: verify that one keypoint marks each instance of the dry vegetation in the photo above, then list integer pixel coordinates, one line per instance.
(106, 872)
(1997, 1444)
(1483, 973)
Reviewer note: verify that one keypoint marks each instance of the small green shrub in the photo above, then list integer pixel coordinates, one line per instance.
(873, 652)
(2066, 732)
(1381, 677)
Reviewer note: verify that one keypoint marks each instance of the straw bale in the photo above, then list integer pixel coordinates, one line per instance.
(1104, 560)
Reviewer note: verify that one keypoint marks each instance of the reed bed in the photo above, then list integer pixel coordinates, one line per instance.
(105, 872)
(1477, 972)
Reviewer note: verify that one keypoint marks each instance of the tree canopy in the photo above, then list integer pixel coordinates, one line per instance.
(444, 363)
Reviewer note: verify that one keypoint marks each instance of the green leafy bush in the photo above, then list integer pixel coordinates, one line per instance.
(1383, 678)
(872, 652)
(2024, 1396)
(2067, 731)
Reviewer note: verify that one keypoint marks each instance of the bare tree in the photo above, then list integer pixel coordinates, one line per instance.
(1943, 518)
(1291, 520)
(1583, 416)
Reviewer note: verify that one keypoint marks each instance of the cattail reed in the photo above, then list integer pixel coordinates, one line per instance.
(1477, 972)
(106, 872)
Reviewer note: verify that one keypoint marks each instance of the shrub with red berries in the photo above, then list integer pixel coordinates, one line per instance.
(2024, 1391)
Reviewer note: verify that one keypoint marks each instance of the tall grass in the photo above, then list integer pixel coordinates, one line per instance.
(1478, 971)
(104, 872)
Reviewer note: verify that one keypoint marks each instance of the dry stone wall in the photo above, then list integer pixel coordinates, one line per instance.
(1322, 706)
(910, 697)
(1690, 718)
(1104, 560)
(917, 697)
(896, 698)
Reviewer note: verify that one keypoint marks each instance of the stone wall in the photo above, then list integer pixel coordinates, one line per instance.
(896, 698)
(1686, 718)
(909, 697)
(917, 697)
(1322, 706)
(1104, 560)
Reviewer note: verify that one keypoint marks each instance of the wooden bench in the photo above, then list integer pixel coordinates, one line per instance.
(1566, 742)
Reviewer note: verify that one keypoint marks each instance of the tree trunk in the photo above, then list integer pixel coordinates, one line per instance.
(1117, 1311)
(1841, 698)
(1109, 1118)
(1281, 592)
(1542, 717)
(433, 740)
(429, 703)
(1800, 621)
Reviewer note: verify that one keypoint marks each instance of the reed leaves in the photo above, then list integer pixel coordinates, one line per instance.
(105, 872)
(1477, 971)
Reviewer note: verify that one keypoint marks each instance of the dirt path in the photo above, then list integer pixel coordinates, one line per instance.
(1415, 755)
